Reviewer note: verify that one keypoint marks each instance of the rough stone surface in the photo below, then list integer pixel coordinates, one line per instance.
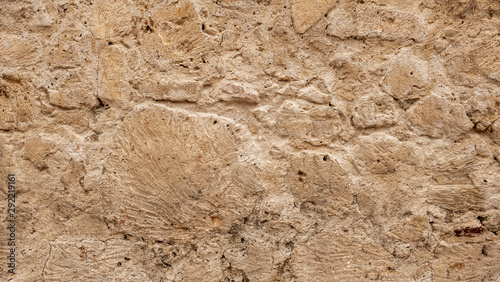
(251, 140)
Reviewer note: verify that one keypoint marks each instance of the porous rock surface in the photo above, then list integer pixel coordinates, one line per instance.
(251, 140)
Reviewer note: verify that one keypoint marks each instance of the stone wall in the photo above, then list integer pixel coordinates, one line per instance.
(251, 140)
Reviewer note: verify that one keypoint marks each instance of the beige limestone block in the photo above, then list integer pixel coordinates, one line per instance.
(251, 140)
(36, 150)
(18, 106)
(342, 24)
(318, 183)
(111, 18)
(305, 13)
(331, 254)
(112, 85)
(194, 177)
(387, 24)
(173, 33)
(20, 50)
(437, 117)
(307, 122)
(375, 111)
(382, 154)
(231, 91)
(406, 77)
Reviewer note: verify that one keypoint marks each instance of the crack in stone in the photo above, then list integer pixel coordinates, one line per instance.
(45, 263)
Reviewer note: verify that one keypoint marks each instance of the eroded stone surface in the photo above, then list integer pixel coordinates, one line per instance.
(260, 140)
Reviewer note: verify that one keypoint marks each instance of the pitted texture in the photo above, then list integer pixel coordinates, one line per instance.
(252, 140)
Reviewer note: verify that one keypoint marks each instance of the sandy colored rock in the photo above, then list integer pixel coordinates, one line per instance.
(250, 140)
(375, 111)
(307, 122)
(306, 13)
(407, 77)
(19, 106)
(437, 117)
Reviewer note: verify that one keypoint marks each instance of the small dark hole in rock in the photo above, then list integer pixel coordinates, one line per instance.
(484, 251)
